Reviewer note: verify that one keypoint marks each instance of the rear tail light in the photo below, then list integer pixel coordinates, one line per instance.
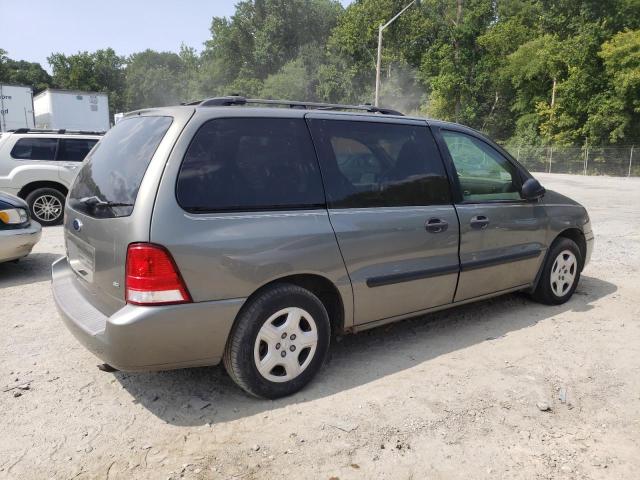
(152, 277)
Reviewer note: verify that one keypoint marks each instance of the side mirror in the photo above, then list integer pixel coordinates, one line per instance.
(532, 190)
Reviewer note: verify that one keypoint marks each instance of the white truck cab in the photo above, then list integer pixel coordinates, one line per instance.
(40, 165)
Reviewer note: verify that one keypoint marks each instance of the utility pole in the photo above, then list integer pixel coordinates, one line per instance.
(381, 28)
(630, 160)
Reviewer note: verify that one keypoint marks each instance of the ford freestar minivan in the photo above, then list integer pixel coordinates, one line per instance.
(223, 231)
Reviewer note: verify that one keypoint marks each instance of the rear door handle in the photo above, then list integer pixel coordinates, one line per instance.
(479, 222)
(436, 225)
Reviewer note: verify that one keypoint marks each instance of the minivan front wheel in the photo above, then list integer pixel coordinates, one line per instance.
(279, 341)
(560, 274)
(46, 206)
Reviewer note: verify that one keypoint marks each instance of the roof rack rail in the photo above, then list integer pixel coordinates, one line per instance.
(239, 100)
(60, 131)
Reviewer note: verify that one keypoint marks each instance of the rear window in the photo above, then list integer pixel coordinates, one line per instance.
(74, 150)
(108, 183)
(236, 164)
(35, 149)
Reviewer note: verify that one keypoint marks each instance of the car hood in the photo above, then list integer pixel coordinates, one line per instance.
(9, 201)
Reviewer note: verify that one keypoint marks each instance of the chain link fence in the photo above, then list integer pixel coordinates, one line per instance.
(614, 161)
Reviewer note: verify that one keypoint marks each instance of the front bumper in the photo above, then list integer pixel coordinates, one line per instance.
(590, 240)
(144, 338)
(18, 243)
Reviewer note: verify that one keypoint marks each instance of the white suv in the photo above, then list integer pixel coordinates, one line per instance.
(39, 166)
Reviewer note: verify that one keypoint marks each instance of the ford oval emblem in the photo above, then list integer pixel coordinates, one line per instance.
(77, 225)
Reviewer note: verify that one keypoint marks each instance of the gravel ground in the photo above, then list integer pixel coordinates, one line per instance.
(449, 395)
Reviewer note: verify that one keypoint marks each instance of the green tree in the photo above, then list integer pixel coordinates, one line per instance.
(3, 65)
(515, 25)
(154, 79)
(191, 67)
(260, 39)
(290, 82)
(20, 72)
(535, 69)
(99, 71)
(616, 111)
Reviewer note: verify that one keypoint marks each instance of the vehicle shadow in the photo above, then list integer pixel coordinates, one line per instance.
(36, 267)
(197, 396)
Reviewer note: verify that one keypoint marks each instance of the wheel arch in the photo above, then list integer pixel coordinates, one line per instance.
(31, 186)
(577, 236)
(321, 287)
(572, 233)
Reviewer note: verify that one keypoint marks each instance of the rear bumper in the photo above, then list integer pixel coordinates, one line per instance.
(19, 242)
(145, 338)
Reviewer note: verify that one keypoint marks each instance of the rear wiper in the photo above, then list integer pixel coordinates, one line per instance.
(114, 204)
(97, 202)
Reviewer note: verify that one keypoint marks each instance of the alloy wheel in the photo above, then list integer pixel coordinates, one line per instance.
(47, 208)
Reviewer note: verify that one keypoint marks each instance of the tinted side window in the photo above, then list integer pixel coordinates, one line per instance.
(250, 163)
(74, 150)
(483, 173)
(107, 184)
(35, 149)
(366, 164)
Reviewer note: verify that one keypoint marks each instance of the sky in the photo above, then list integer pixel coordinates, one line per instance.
(33, 29)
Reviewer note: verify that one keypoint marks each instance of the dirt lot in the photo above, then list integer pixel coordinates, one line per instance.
(449, 395)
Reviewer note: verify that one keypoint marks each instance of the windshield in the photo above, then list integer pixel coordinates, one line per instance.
(108, 183)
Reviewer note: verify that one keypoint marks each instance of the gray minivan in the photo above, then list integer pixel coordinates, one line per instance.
(224, 231)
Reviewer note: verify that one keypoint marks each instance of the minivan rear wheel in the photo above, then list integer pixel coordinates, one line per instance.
(560, 273)
(46, 206)
(279, 341)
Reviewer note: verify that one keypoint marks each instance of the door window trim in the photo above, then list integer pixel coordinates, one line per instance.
(523, 174)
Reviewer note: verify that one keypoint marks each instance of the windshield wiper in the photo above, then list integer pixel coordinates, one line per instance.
(97, 202)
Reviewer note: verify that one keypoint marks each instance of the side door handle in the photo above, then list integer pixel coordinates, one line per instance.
(479, 222)
(436, 225)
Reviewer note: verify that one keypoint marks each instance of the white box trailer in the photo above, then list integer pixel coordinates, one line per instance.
(72, 110)
(16, 107)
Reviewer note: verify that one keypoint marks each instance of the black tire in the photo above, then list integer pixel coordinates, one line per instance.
(545, 291)
(239, 352)
(50, 195)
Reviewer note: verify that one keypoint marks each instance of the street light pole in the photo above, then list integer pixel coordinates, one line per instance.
(378, 65)
(379, 61)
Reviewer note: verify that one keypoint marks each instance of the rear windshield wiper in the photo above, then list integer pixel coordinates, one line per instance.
(96, 202)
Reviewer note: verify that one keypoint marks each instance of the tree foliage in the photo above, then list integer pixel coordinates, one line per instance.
(154, 79)
(99, 71)
(19, 72)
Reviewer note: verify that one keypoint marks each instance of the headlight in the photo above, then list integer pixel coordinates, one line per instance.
(13, 216)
